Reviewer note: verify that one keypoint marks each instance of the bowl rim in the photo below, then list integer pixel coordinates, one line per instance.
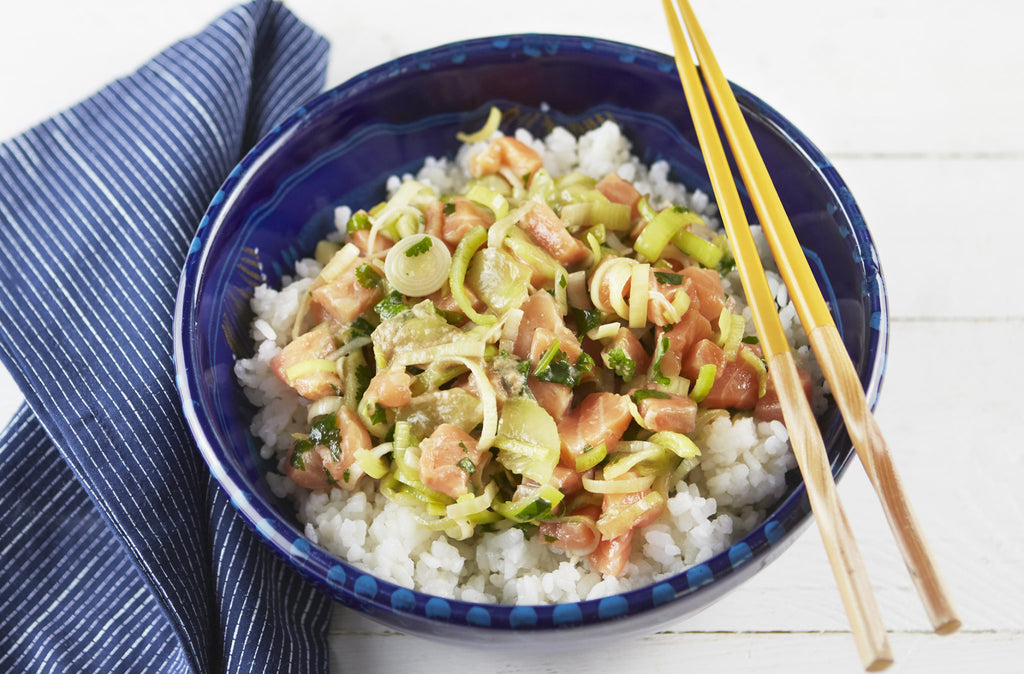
(350, 584)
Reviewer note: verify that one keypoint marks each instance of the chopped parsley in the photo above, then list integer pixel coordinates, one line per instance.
(367, 276)
(751, 339)
(621, 364)
(554, 367)
(586, 320)
(466, 465)
(449, 208)
(379, 415)
(359, 328)
(420, 247)
(659, 354)
(359, 220)
(392, 305)
(324, 433)
(668, 278)
(363, 376)
(644, 394)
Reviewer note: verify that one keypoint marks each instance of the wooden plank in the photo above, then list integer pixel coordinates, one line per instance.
(672, 652)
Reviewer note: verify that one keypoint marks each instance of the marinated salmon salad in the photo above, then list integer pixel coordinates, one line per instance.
(526, 376)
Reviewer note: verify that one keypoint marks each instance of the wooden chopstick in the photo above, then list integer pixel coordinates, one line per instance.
(805, 436)
(825, 341)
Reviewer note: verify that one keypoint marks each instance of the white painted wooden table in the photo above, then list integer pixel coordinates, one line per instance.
(919, 109)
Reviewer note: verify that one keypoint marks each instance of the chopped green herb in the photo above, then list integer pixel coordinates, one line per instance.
(465, 450)
(449, 208)
(379, 414)
(391, 305)
(621, 364)
(299, 451)
(549, 355)
(751, 339)
(586, 320)
(659, 354)
(668, 278)
(359, 328)
(323, 433)
(347, 475)
(467, 465)
(562, 280)
(557, 369)
(363, 376)
(359, 220)
(420, 247)
(539, 509)
(644, 394)
(367, 276)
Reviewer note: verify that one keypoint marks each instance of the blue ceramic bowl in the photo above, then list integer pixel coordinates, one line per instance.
(340, 148)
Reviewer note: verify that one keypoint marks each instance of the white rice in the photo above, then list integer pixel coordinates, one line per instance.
(742, 469)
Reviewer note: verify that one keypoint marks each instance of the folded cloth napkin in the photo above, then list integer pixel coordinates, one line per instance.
(117, 551)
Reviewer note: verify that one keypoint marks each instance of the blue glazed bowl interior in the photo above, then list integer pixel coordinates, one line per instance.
(341, 147)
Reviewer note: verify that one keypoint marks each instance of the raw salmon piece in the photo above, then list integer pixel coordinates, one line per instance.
(554, 398)
(620, 191)
(615, 504)
(549, 232)
(311, 475)
(691, 328)
(465, 216)
(433, 218)
(440, 457)
(323, 469)
(391, 388)
(736, 381)
(611, 555)
(704, 286)
(361, 240)
(344, 299)
(543, 338)
(625, 341)
(676, 413)
(567, 480)
(505, 152)
(540, 312)
(353, 436)
(313, 345)
(768, 407)
(601, 417)
(574, 536)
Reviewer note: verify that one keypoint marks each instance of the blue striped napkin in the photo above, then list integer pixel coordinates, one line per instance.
(117, 551)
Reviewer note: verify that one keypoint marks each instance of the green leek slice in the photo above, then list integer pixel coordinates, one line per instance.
(705, 380)
(457, 274)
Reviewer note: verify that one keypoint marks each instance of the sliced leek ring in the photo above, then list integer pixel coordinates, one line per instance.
(418, 265)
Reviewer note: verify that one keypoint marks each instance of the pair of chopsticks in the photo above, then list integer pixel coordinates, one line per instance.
(808, 446)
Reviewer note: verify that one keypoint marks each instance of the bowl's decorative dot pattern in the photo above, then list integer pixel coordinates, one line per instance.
(414, 610)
